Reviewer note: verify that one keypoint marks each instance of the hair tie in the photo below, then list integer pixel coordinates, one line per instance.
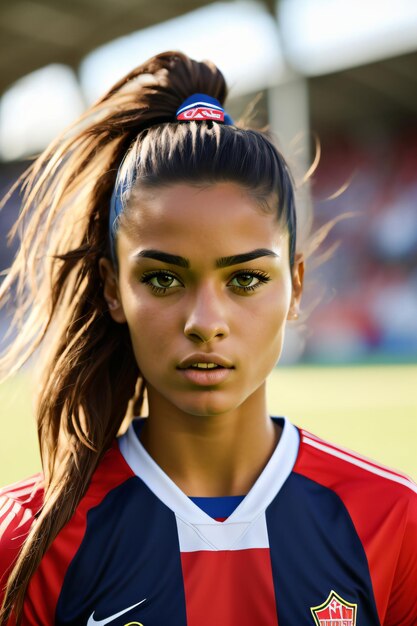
(200, 107)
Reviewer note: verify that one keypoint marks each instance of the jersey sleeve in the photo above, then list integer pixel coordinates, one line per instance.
(402, 607)
(18, 505)
(382, 504)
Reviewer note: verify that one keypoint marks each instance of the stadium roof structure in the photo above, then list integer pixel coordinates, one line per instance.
(34, 33)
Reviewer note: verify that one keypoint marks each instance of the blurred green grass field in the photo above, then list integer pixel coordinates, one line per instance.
(370, 409)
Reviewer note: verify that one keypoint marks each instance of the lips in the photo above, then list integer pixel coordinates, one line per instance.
(208, 359)
(206, 376)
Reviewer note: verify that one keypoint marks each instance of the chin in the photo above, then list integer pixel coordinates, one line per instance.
(211, 406)
(206, 409)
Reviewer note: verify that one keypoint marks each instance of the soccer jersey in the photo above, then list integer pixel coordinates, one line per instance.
(324, 537)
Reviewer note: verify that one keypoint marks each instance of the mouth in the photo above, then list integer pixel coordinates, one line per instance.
(205, 366)
(199, 361)
(205, 370)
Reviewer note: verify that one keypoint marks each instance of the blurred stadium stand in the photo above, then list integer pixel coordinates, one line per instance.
(365, 116)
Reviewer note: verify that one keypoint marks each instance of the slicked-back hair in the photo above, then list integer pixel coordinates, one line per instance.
(208, 153)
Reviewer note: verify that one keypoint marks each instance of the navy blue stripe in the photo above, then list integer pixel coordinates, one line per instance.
(130, 552)
(315, 549)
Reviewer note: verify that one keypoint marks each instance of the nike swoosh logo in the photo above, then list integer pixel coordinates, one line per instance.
(102, 622)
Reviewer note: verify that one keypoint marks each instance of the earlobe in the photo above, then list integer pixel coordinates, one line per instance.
(297, 287)
(111, 290)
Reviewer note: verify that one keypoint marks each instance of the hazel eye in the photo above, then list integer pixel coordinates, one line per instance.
(160, 282)
(248, 281)
(163, 280)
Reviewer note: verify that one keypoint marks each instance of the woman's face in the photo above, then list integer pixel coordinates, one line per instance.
(204, 278)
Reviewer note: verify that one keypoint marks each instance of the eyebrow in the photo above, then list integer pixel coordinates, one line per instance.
(158, 255)
(226, 261)
(236, 259)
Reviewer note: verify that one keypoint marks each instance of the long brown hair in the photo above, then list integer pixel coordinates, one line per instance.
(90, 377)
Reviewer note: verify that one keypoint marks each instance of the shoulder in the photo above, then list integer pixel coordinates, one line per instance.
(381, 502)
(378, 499)
(19, 504)
(347, 472)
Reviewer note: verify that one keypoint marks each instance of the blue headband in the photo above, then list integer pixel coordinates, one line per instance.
(196, 108)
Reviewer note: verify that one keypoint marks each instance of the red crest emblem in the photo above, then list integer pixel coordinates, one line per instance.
(335, 612)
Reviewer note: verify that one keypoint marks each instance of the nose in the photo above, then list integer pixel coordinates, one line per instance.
(206, 320)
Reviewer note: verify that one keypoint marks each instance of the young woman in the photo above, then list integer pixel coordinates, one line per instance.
(159, 255)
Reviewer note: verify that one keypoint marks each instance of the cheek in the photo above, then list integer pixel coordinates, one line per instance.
(151, 329)
(271, 321)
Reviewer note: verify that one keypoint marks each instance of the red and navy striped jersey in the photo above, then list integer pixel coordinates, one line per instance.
(324, 537)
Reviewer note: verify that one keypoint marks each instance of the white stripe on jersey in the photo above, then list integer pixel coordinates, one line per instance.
(27, 515)
(21, 491)
(373, 469)
(356, 455)
(29, 483)
(9, 517)
(5, 505)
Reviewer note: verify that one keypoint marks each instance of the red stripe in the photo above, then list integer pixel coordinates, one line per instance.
(229, 587)
(356, 456)
(45, 586)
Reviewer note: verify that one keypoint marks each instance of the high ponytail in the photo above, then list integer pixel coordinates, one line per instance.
(90, 379)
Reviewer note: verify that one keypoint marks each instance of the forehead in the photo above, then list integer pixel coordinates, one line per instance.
(207, 218)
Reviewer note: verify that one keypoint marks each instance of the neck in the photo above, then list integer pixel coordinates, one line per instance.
(216, 455)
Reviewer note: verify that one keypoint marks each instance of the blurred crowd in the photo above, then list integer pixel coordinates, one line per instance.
(366, 292)
(368, 307)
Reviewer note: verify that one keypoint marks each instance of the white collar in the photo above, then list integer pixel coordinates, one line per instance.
(255, 502)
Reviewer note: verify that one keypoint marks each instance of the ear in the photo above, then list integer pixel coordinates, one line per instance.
(297, 287)
(111, 290)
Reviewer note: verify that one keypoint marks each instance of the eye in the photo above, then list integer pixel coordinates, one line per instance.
(248, 281)
(160, 281)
